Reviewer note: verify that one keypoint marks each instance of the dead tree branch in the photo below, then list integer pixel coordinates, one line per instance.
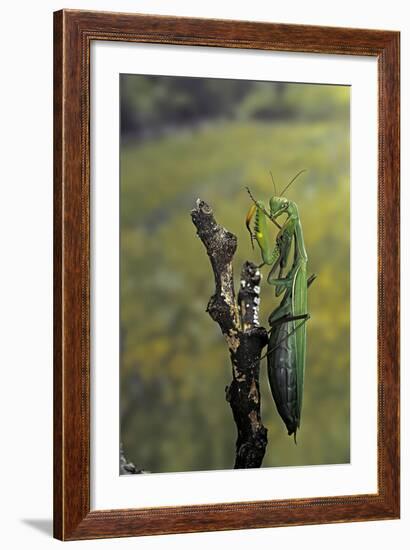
(238, 320)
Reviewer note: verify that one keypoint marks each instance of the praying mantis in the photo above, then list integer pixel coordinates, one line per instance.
(286, 353)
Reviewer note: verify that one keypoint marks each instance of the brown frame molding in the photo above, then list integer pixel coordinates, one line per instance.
(73, 33)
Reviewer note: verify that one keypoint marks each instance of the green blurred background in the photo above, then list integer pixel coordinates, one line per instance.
(183, 138)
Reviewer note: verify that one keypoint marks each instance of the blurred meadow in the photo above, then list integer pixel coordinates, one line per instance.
(184, 138)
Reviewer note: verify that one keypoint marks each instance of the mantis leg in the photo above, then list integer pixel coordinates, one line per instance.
(249, 216)
(288, 318)
(279, 287)
(281, 313)
(304, 318)
(281, 251)
(284, 241)
(261, 234)
(263, 209)
(287, 282)
(283, 284)
(311, 279)
(280, 284)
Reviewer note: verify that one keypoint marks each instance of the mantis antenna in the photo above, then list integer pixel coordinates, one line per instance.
(292, 180)
(274, 184)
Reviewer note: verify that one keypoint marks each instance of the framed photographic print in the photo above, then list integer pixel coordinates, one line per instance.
(226, 275)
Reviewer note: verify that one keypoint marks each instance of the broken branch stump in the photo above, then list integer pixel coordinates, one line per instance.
(238, 320)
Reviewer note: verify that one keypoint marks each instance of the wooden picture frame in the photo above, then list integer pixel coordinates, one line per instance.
(74, 32)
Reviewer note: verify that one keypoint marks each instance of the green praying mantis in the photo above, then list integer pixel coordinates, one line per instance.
(286, 353)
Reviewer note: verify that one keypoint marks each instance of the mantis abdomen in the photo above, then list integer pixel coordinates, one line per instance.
(282, 373)
(286, 353)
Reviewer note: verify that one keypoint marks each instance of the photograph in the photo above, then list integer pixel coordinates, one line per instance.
(234, 274)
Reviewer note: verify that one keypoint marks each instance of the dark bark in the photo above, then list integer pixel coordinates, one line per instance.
(239, 323)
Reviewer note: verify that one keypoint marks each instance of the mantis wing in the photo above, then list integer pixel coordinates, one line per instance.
(299, 307)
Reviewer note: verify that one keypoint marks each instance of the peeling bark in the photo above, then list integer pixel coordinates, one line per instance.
(238, 320)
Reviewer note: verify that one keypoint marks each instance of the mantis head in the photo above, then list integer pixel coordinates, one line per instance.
(281, 205)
